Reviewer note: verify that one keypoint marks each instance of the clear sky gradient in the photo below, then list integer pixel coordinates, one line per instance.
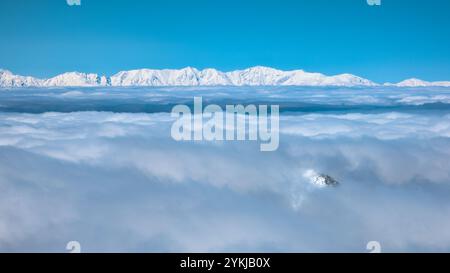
(397, 40)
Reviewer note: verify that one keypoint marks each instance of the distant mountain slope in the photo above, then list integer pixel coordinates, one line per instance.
(420, 83)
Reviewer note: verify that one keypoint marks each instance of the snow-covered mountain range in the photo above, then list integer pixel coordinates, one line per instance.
(254, 76)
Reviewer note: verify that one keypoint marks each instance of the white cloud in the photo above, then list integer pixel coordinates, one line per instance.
(119, 182)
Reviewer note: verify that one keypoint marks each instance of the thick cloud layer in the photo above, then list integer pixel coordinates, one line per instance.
(118, 182)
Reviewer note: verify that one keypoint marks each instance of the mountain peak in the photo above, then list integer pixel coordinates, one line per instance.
(263, 69)
(414, 82)
(76, 79)
(4, 71)
(190, 69)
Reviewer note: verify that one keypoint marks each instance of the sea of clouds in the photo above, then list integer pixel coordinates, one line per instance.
(119, 182)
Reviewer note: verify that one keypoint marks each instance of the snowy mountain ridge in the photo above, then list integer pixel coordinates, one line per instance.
(254, 76)
(419, 83)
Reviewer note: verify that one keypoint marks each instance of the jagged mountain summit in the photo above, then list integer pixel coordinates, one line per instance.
(254, 76)
(8, 79)
(77, 79)
(320, 180)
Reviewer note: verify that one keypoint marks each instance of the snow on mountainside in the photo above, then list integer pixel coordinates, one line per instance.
(269, 76)
(8, 79)
(77, 79)
(150, 77)
(420, 83)
(254, 76)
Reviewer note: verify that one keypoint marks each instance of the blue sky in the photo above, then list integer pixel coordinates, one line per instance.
(397, 40)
